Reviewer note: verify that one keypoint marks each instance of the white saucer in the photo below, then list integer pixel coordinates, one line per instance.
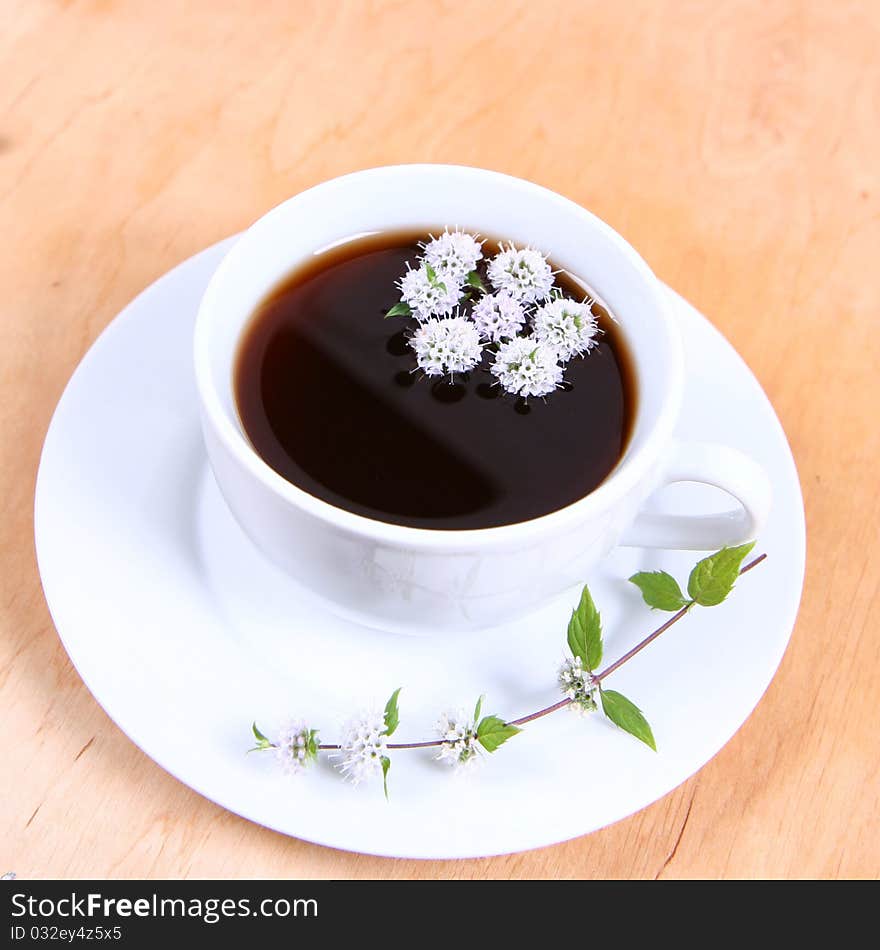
(185, 634)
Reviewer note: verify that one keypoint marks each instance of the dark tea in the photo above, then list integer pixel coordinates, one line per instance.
(330, 395)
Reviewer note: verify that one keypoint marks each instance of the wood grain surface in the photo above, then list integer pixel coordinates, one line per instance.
(735, 144)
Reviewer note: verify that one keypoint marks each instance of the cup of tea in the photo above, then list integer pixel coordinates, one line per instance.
(420, 501)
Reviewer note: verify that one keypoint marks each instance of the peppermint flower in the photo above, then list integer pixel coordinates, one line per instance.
(445, 346)
(454, 253)
(524, 274)
(297, 747)
(566, 325)
(459, 735)
(362, 746)
(498, 316)
(429, 292)
(578, 685)
(526, 367)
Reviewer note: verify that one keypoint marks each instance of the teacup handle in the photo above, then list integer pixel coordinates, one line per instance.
(710, 464)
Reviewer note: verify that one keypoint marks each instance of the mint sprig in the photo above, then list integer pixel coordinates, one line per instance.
(709, 584)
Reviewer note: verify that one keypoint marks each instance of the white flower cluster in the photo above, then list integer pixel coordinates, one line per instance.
(524, 273)
(498, 316)
(427, 292)
(578, 685)
(459, 735)
(527, 367)
(453, 254)
(434, 288)
(566, 326)
(296, 747)
(533, 330)
(363, 746)
(451, 345)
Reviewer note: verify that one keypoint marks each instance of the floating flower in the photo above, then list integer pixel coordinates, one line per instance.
(578, 685)
(445, 346)
(297, 747)
(498, 316)
(454, 253)
(428, 292)
(363, 746)
(459, 734)
(566, 325)
(526, 367)
(524, 274)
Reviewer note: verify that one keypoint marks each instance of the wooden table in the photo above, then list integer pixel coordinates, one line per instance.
(737, 145)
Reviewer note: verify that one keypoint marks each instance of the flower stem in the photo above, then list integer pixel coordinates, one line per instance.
(541, 712)
(415, 745)
(597, 678)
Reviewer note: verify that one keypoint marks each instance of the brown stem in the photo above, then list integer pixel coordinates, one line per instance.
(541, 712)
(430, 743)
(641, 646)
(597, 678)
(391, 745)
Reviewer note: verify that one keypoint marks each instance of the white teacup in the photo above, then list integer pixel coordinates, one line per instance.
(422, 580)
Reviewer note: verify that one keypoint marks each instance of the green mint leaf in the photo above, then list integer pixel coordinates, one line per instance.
(627, 716)
(258, 735)
(432, 274)
(713, 577)
(386, 765)
(585, 632)
(441, 285)
(659, 590)
(399, 310)
(473, 280)
(392, 716)
(477, 708)
(493, 732)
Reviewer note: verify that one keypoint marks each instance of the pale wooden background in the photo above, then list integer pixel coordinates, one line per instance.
(735, 144)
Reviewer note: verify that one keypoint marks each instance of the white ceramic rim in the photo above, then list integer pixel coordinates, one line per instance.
(628, 472)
